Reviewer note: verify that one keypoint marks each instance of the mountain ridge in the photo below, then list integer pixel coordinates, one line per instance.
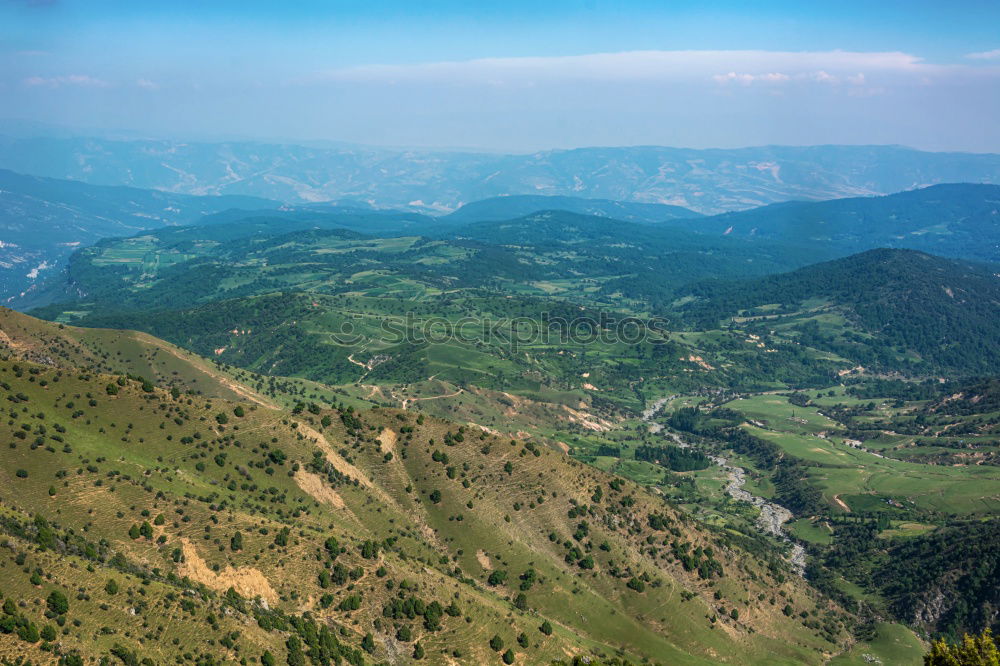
(954, 219)
(709, 181)
(515, 206)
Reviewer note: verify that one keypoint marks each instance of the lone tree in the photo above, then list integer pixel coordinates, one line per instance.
(57, 602)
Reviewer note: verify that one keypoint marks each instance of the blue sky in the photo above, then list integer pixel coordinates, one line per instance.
(513, 75)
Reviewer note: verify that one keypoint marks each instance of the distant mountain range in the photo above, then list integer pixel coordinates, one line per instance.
(910, 302)
(960, 220)
(43, 220)
(708, 181)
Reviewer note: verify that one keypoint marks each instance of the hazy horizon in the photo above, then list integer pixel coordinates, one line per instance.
(57, 131)
(514, 78)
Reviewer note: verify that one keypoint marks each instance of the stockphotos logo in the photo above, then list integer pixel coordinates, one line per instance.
(511, 333)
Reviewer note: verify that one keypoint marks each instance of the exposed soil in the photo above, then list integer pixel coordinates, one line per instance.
(313, 484)
(333, 457)
(249, 582)
(841, 503)
(388, 440)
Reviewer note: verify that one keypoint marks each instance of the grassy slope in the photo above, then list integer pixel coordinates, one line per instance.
(124, 455)
(893, 644)
(142, 355)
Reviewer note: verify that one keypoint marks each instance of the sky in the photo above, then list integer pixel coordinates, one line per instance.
(510, 76)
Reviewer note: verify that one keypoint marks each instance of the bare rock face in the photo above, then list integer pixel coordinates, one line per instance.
(931, 608)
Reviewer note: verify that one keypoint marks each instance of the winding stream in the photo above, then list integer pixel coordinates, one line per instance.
(772, 516)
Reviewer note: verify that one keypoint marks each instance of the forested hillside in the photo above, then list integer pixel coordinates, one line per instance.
(955, 220)
(908, 309)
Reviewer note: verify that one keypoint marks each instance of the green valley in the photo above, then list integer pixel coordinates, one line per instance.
(803, 417)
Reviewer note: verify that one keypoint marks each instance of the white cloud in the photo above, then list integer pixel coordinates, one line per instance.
(985, 55)
(146, 84)
(747, 79)
(819, 76)
(81, 80)
(740, 67)
(733, 77)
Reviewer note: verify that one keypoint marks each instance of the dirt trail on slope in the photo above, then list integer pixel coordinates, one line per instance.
(236, 388)
(244, 392)
(406, 402)
(841, 503)
(484, 560)
(249, 582)
(588, 421)
(350, 470)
